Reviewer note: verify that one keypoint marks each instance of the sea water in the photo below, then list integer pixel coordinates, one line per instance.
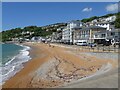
(11, 60)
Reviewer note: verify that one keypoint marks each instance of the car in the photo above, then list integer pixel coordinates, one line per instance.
(82, 43)
(107, 43)
(92, 44)
(115, 42)
(118, 43)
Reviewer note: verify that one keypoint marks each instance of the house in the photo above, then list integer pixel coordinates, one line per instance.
(67, 33)
(36, 39)
(94, 21)
(107, 19)
(114, 35)
(60, 29)
(27, 33)
(109, 25)
(57, 36)
(53, 37)
(103, 24)
(88, 34)
(87, 24)
(111, 19)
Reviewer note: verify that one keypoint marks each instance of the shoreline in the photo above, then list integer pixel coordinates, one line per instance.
(43, 54)
(21, 58)
(22, 72)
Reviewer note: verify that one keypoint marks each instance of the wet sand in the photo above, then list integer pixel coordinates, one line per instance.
(53, 66)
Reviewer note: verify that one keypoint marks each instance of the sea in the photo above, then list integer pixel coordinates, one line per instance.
(12, 60)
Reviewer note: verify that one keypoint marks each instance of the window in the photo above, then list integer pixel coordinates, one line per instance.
(96, 35)
(116, 36)
(112, 33)
(103, 35)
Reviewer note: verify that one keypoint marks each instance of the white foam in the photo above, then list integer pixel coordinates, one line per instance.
(13, 67)
(10, 61)
(15, 64)
(0, 76)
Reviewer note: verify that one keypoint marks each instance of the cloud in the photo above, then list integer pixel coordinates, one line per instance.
(112, 7)
(87, 9)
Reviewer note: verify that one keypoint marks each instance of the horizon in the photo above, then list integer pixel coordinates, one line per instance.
(22, 14)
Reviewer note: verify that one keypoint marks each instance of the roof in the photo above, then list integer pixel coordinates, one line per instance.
(96, 27)
(116, 30)
(102, 22)
(92, 27)
(74, 21)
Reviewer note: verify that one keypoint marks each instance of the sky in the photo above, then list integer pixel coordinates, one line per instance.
(21, 14)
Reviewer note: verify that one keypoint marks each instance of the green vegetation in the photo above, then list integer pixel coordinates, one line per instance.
(34, 31)
(95, 17)
(30, 31)
(0, 37)
(108, 15)
(117, 22)
(89, 19)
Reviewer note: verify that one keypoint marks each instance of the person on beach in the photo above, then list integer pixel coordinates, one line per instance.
(91, 46)
(49, 45)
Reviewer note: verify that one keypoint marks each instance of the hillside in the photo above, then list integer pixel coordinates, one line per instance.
(96, 17)
(117, 22)
(32, 31)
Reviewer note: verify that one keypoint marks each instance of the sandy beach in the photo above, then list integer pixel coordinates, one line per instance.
(55, 66)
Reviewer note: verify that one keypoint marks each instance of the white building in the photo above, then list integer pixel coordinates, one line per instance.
(57, 36)
(27, 32)
(111, 19)
(89, 34)
(104, 22)
(114, 35)
(104, 25)
(67, 33)
(36, 39)
(60, 29)
(107, 19)
(94, 21)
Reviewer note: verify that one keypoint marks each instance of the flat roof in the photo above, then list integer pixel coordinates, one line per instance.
(87, 28)
(92, 27)
(102, 22)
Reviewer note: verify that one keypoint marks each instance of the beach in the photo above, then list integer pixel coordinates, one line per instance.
(57, 66)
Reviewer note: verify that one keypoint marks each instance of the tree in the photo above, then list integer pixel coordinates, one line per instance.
(117, 22)
(89, 19)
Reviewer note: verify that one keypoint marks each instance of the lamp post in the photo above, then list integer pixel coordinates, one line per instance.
(72, 37)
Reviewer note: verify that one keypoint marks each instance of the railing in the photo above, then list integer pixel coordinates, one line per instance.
(99, 48)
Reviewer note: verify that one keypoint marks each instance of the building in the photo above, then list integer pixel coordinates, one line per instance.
(106, 19)
(104, 25)
(53, 37)
(110, 19)
(67, 33)
(87, 24)
(37, 39)
(57, 36)
(88, 34)
(60, 29)
(114, 35)
(108, 24)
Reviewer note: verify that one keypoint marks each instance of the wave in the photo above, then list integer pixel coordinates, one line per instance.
(15, 64)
